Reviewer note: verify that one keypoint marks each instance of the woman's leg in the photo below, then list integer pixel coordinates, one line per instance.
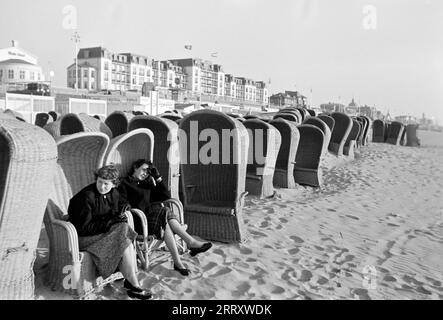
(127, 267)
(172, 246)
(178, 229)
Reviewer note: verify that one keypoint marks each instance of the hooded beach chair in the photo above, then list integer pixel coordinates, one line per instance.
(171, 116)
(411, 135)
(287, 116)
(213, 159)
(123, 151)
(330, 122)
(307, 170)
(350, 144)
(378, 131)
(367, 130)
(315, 121)
(342, 128)
(54, 115)
(264, 145)
(70, 269)
(118, 122)
(42, 118)
(71, 123)
(166, 155)
(27, 162)
(311, 112)
(284, 166)
(394, 133)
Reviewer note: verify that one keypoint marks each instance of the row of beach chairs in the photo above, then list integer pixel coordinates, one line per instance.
(395, 133)
(44, 168)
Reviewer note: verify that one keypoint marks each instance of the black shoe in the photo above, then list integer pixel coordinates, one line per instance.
(183, 271)
(205, 247)
(137, 292)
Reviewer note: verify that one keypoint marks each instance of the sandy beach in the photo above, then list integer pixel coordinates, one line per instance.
(373, 231)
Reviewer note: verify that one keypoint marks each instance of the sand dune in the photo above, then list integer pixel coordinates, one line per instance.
(373, 231)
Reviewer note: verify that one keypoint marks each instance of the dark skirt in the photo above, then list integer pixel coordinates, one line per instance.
(107, 248)
(157, 217)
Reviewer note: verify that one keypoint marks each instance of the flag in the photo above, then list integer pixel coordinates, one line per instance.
(214, 54)
(188, 47)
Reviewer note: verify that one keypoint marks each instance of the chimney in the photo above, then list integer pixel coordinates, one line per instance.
(15, 43)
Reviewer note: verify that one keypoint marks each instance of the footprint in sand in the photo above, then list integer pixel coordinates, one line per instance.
(389, 279)
(264, 224)
(244, 250)
(361, 293)
(293, 251)
(352, 217)
(222, 272)
(296, 239)
(283, 220)
(305, 276)
(258, 233)
(278, 290)
(241, 289)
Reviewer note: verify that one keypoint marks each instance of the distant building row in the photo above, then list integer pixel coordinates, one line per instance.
(288, 98)
(99, 69)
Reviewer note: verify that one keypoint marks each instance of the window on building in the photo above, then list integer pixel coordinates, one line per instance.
(85, 73)
(92, 73)
(22, 74)
(134, 70)
(31, 75)
(106, 76)
(86, 85)
(38, 76)
(106, 66)
(133, 80)
(10, 74)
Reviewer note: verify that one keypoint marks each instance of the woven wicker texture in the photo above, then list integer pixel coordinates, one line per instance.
(387, 125)
(71, 123)
(265, 141)
(284, 166)
(394, 133)
(350, 144)
(216, 188)
(129, 147)
(315, 121)
(118, 122)
(330, 122)
(363, 124)
(307, 169)
(304, 113)
(342, 128)
(41, 119)
(28, 156)
(166, 155)
(79, 155)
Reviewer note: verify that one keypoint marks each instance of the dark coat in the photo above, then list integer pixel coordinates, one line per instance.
(91, 212)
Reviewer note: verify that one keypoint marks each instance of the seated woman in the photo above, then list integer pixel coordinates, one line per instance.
(97, 212)
(143, 189)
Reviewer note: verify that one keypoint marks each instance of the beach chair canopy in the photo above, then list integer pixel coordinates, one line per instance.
(342, 128)
(118, 122)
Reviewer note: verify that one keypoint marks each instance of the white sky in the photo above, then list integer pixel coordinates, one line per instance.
(298, 44)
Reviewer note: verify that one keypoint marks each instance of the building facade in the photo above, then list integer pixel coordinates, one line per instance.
(18, 66)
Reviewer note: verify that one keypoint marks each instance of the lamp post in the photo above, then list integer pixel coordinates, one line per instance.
(76, 38)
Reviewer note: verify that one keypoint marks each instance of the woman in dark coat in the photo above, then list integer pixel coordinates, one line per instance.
(97, 212)
(144, 189)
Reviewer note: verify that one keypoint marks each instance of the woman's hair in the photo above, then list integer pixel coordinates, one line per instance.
(137, 164)
(109, 172)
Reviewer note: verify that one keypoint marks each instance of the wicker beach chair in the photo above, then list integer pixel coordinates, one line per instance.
(27, 161)
(359, 140)
(284, 166)
(99, 117)
(342, 128)
(304, 113)
(378, 131)
(307, 170)
(386, 132)
(287, 116)
(394, 133)
(42, 118)
(403, 137)
(166, 155)
(315, 121)
(311, 112)
(54, 115)
(330, 122)
(71, 123)
(118, 122)
(264, 145)
(213, 184)
(365, 140)
(69, 269)
(411, 135)
(250, 116)
(123, 150)
(350, 144)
